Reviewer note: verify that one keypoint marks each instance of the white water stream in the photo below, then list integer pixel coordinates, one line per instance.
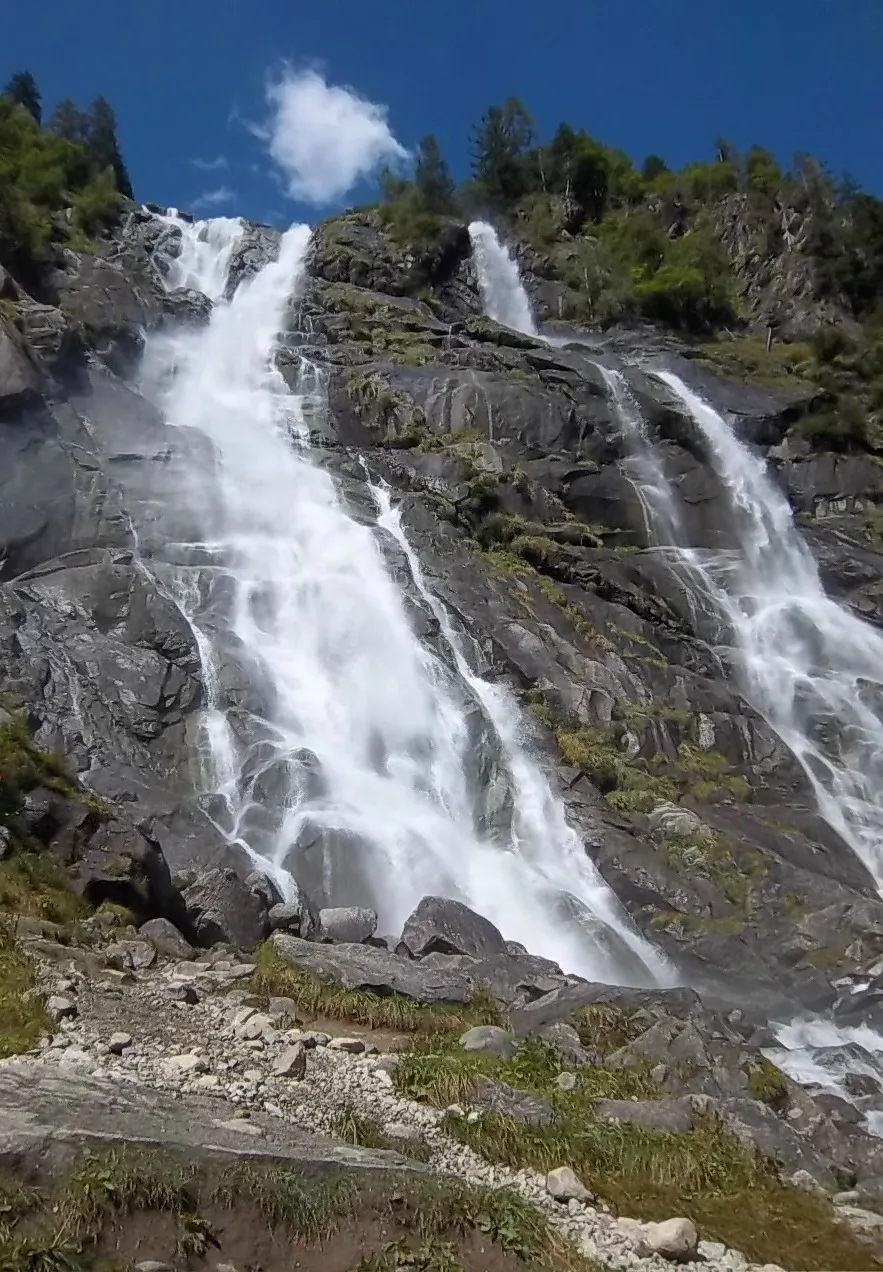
(502, 291)
(363, 758)
(811, 668)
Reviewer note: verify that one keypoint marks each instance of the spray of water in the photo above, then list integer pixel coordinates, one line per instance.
(358, 757)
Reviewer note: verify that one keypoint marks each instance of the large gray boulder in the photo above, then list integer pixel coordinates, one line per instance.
(440, 925)
(47, 1112)
(367, 967)
(220, 907)
(350, 924)
(758, 1126)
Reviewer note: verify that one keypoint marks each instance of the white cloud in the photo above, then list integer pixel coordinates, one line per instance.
(210, 165)
(325, 137)
(213, 198)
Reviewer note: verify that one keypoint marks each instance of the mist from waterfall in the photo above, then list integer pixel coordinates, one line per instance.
(340, 749)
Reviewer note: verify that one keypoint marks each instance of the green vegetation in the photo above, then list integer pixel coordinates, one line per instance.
(439, 1073)
(639, 784)
(23, 767)
(731, 1193)
(22, 1018)
(317, 998)
(73, 163)
(386, 410)
(64, 1227)
(513, 562)
(841, 375)
(32, 884)
(824, 959)
(632, 243)
(706, 771)
(625, 787)
(364, 1131)
(767, 1083)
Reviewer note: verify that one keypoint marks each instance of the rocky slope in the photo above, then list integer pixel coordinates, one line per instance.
(505, 455)
(597, 1111)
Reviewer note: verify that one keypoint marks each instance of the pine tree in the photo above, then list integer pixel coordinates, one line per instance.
(432, 178)
(22, 89)
(653, 166)
(102, 147)
(499, 145)
(68, 122)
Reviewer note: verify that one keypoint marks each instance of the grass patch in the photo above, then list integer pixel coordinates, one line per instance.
(363, 1131)
(445, 1075)
(307, 1210)
(709, 856)
(638, 714)
(106, 1186)
(536, 704)
(824, 959)
(315, 998)
(745, 358)
(605, 1028)
(58, 1228)
(23, 1020)
(625, 786)
(731, 1193)
(519, 559)
(723, 925)
(707, 773)
(654, 655)
(31, 884)
(767, 1083)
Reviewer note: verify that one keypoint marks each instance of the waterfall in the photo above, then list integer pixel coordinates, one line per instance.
(339, 749)
(499, 282)
(808, 666)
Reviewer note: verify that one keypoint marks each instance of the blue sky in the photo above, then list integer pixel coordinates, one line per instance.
(188, 82)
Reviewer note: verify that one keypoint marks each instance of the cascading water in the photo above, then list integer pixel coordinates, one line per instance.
(812, 670)
(499, 282)
(807, 665)
(341, 746)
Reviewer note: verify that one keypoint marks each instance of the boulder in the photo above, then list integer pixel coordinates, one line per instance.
(490, 1093)
(291, 1062)
(221, 908)
(658, 1115)
(166, 939)
(19, 375)
(366, 967)
(291, 916)
(490, 1038)
(130, 955)
(350, 924)
(121, 863)
(440, 925)
(758, 1126)
(674, 1239)
(564, 1185)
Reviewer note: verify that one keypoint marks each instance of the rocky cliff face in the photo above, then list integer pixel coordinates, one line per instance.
(506, 457)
